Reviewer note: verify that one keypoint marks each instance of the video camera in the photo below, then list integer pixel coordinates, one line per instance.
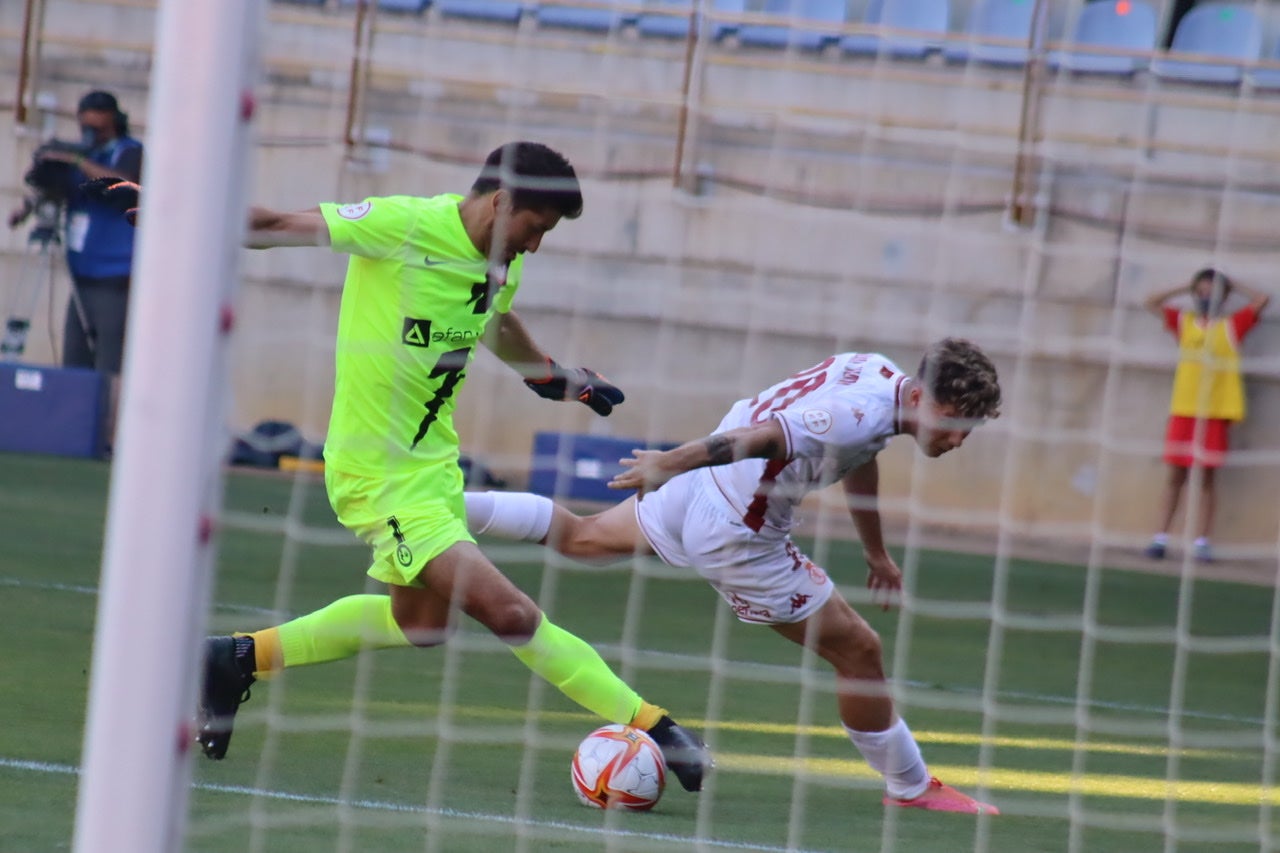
(53, 180)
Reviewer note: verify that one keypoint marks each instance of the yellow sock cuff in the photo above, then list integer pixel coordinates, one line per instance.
(268, 657)
(648, 715)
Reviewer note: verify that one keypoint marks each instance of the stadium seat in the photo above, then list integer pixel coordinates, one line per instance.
(926, 15)
(412, 7)
(674, 21)
(589, 18)
(1006, 19)
(788, 34)
(52, 410)
(576, 466)
(1127, 24)
(1267, 78)
(502, 11)
(670, 19)
(1221, 30)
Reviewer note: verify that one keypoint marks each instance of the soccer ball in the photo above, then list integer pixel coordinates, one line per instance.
(618, 767)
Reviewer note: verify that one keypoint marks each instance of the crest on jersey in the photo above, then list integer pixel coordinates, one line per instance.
(415, 332)
(355, 211)
(817, 421)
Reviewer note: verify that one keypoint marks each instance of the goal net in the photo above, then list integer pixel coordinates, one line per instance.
(764, 189)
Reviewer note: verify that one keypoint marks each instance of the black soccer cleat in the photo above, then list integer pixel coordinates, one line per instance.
(224, 688)
(685, 753)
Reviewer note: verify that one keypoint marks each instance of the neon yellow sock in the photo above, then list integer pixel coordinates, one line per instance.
(338, 631)
(574, 667)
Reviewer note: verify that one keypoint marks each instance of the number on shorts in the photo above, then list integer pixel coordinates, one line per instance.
(450, 366)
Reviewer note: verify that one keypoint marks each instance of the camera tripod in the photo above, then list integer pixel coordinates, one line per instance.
(36, 274)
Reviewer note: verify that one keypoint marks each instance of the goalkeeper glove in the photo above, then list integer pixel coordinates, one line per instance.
(115, 193)
(577, 383)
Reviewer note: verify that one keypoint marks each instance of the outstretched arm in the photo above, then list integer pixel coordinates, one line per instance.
(1257, 299)
(649, 469)
(1155, 302)
(129, 169)
(862, 489)
(510, 341)
(271, 228)
(267, 228)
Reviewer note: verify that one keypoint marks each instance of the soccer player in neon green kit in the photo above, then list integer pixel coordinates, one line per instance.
(425, 278)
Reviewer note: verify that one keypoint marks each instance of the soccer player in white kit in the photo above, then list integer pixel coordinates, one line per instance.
(724, 506)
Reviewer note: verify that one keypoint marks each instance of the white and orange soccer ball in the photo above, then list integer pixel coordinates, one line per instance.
(618, 767)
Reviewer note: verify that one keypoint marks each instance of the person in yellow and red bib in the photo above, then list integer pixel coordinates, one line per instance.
(1208, 393)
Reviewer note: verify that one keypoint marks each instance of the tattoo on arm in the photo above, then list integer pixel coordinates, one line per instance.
(719, 449)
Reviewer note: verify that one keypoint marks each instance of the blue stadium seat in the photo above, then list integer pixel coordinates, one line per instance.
(52, 410)
(670, 19)
(1267, 78)
(589, 18)
(1006, 19)
(1127, 24)
(412, 7)
(1213, 29)
(675, 22)
(501, 11)
(791, 33)
(572, 465)
(926, 15)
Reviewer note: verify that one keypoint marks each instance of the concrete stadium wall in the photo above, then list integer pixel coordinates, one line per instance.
(839, 205)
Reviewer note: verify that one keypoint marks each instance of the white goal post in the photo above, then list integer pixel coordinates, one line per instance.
(156, 564)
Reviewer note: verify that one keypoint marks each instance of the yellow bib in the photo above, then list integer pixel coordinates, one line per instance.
(1207, 383)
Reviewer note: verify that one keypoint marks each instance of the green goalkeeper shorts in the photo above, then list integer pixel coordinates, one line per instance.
(408, 520)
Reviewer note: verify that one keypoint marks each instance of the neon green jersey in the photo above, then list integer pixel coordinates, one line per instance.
(415, 304)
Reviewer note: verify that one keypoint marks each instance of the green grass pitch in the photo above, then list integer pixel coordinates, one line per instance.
(413, 750)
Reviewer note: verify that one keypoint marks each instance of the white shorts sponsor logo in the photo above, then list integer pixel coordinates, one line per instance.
(355, 211)
(817, 421)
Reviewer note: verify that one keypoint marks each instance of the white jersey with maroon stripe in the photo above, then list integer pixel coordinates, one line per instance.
(836, 416)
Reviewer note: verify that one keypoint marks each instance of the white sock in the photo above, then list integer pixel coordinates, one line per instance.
(894, 754)
(509, 515)
(1161, 538)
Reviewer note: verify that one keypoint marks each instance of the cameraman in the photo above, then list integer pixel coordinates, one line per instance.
(99, 242)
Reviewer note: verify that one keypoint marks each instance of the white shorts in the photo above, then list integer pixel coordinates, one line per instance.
(766, 580)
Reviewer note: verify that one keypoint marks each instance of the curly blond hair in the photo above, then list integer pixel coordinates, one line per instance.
(956, 373)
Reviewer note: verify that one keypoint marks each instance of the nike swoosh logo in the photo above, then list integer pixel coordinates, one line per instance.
(427, 262)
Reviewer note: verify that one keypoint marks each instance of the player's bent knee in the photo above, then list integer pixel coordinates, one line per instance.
(511, 621)
(859, 653)
(867, 646)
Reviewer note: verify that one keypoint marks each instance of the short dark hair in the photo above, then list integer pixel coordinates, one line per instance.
(958, 374)
(536, 176)
(1211, 275)
(107, 103)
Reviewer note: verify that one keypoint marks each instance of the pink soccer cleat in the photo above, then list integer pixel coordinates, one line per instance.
(943, 798)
